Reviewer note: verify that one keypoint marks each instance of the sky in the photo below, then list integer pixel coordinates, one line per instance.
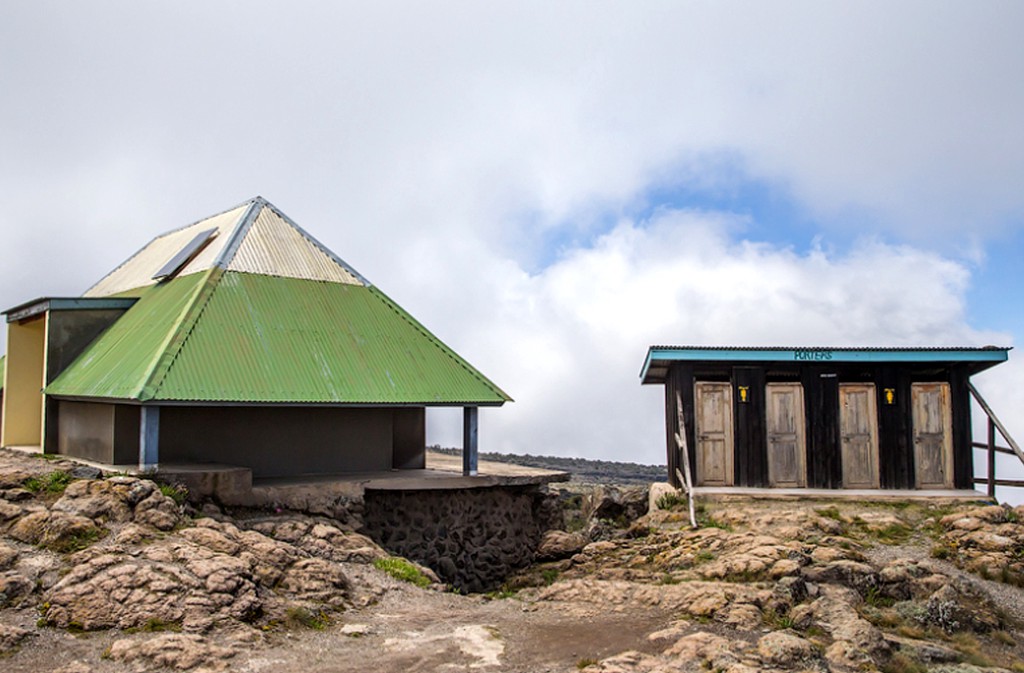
(550, 187)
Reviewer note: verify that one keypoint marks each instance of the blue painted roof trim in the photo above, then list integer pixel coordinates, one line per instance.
(990, 354)
(44, 304)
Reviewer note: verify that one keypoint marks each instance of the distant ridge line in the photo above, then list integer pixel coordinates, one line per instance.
(582, 469)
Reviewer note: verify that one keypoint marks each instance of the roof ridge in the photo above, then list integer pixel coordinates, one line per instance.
(440, 345)
(320, 246)
(245, 223)
(175, 341)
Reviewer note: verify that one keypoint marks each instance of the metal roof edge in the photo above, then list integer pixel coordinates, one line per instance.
(323, 248)
(993, 354)
(170, 402)
(865, 349)
(172, 345)
(445, 348)
(42, 304)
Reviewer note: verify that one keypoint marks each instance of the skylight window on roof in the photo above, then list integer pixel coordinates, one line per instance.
(185, 255)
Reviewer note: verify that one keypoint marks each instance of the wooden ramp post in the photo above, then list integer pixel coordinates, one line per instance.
(684, 458)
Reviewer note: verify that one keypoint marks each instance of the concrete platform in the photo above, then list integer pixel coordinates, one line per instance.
(443, 472)
(736, 492)
(234, 485)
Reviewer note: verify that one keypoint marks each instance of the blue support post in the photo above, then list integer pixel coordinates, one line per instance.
(149, 438)
(469, 441)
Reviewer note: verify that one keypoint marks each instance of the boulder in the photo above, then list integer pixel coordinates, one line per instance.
(14, 588)
(317, 580)
(86, 472)
(959, 606)
(716, 652)
(8, 555)
(99, 500)
(786, 649)
(656, 491)
(988, 541)
(179, 651)
(620, 506)
(169, 582)
(853, 574)
(318, 538)
(159, 511)
(11, 637)
(56, 530)
(558, 544)
(856, 643)
(9, 511)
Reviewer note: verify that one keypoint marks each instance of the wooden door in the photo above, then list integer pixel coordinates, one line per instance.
(714, 434)
(784, 404)
(858, 432)
(933, 435)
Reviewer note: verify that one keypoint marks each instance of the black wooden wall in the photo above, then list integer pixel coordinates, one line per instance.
(821, 400)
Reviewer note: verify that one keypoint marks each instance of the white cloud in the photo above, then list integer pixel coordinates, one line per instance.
(568, 343)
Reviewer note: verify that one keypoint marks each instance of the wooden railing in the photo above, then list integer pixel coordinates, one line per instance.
(1014, 449)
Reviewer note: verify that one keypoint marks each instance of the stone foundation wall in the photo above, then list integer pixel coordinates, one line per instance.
(472, 538)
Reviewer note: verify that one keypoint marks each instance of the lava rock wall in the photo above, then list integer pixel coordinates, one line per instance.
(472, 538)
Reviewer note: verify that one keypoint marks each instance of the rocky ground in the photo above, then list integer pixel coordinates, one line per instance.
(112, 573)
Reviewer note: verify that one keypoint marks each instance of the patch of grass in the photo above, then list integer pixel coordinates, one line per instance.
(1004, 638)
(671, 500)
(882, 618)
(815, 631)
(549, 575)
(401, 569)
(968, 645)
(48, 456)
(586, 663)
(668, 578)
(894, 533)
(903, 663)
(179, 494)
(708, 521)
(774, 620)
(875, 599)
(53, 482)
(703, 556)
(941, 551)
(300, 616)
(1008, 576)
(501, 594)
(911, 631)
(154, 625)
(76, 542)
(831, 512)
(575, 525)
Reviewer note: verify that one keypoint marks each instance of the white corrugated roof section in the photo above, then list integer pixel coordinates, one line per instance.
(138, 270)
(275, 247)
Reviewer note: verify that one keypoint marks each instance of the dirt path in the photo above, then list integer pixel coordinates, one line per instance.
(409, 630)
(416, 631)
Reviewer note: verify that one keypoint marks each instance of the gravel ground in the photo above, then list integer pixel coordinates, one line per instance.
(1008, 597)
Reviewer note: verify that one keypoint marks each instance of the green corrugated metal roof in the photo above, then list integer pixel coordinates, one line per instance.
(121, 361)
(237, 337)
